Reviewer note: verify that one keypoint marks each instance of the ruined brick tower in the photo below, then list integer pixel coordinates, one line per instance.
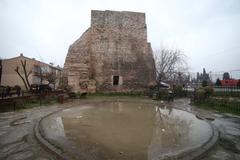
(113, 55)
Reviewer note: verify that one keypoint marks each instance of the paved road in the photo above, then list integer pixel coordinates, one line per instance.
(17, 141)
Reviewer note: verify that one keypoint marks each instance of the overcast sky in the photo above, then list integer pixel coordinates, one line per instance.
(208, 31)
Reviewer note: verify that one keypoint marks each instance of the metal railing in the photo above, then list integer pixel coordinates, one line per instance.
(226, 91)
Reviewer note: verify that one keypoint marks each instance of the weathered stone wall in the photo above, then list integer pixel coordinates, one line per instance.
(115, 45)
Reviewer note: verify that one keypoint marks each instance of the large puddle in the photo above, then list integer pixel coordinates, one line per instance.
(125, 130)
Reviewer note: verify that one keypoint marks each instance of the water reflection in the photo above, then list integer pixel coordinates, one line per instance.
(120, 130)
(170, 132)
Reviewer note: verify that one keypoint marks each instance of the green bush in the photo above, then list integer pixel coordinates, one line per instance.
(222, 105)
(208, 91)
(178, 91)
(131, 93)
(226, 94)
(204, 83)
(204, 93)
(200, 94)
(218, 82)
(162, 94)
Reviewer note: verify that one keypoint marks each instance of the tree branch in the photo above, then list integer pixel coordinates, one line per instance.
(25, 72)
(17, 70)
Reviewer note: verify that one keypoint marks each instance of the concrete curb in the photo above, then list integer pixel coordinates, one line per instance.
(44, 143)
(189, 154)
(198, 152)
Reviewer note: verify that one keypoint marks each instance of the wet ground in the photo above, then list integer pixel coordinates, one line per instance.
(228, 147)
(125, 130)
(17, 139)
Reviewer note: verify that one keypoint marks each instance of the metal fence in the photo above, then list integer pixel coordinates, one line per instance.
(224, 105)
(28, 100)
(227, 91)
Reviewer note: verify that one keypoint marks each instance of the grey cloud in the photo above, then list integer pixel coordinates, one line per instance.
(44, 29)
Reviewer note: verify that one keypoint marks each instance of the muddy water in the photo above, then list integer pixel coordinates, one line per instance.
(124, 130)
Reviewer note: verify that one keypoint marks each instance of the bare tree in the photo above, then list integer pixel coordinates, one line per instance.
(25, 84)
(169, 63)
(47, 75)
(25, 79)
(25, 72)
(51, 78)
(42, 73)
(63, 81)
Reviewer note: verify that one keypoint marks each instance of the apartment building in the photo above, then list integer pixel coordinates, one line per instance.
(38, 70)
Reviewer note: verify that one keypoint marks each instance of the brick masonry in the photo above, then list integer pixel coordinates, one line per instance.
(115, 46)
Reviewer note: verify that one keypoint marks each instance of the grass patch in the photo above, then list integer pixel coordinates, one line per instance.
(123, 94)
(222, 105)
(31, 104)
(36, 102)
(226, 94)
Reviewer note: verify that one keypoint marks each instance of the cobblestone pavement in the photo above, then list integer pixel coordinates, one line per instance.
(17, 141)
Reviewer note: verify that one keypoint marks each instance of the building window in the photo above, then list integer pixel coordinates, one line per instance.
(36, 80)
(115, 80)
